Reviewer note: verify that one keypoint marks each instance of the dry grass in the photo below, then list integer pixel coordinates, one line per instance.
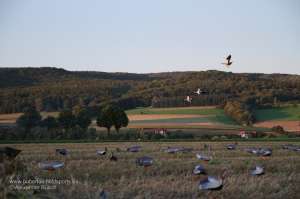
(169, 177)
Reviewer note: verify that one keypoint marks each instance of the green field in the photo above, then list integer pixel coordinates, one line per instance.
(211, 114)
(289, 113)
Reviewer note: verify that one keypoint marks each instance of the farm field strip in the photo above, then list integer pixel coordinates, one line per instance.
(170, 176)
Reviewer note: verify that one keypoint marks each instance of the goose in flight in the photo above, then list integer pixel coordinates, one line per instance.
(228, 61)
(188, 99)
(198, 92)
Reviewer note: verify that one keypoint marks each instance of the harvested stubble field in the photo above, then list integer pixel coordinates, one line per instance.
(169, 177)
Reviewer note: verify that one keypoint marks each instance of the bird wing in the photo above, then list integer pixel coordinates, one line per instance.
(228, 58)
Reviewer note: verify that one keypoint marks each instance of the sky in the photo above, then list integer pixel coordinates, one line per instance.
(144, 36)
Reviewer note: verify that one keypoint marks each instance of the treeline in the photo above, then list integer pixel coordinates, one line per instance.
(241, 112)
(203, 100)
(52, 89)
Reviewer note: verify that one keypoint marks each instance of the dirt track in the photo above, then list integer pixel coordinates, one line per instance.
(287, 125)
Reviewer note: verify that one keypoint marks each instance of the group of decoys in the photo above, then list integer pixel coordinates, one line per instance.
(207, 183)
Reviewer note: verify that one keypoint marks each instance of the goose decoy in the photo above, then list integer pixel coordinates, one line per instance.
(9, 152)
(51, 166)
(134, 149)
(203, 157)
(258, 170)
(211, 183)
(102, 152)
(228, 61)
(63, 152)
(144, 161)
(103, 195)
(199, 169)
(172, 150)
(113, 158)
(291, 147)
(231, 146)
(264, 152)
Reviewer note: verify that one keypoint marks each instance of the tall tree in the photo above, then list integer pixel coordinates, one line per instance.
(29, 119)
(66, 119)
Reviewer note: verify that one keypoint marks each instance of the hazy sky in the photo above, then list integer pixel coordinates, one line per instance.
(151, 35)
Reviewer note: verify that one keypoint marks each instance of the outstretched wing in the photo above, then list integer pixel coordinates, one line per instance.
(228, 58)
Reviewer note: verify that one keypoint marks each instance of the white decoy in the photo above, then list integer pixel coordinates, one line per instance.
(231, 146)
(211, 183)
(258, 170)
(199, 169)
(144, 161)
(188, 99)
(102, 152)
(51, 165)
(203, 157)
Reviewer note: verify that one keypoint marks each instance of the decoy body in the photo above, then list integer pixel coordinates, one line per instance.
(203, 157)
(103, 195)
(144, 161)
(63, 152)
(211, 183)
(178, 149)
(199, 169)
(291, 147)
(113, 158)
(231, 146)
(258, 170)
(50, 166)
(260, 151)
(9, 152)
(102, 152)
(134, 149)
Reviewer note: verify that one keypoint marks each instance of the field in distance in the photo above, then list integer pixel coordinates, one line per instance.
(169, 177)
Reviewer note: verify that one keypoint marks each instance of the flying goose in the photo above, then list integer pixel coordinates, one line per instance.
(228, 61)
(188, 99)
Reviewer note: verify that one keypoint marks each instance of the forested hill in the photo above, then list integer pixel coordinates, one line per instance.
(52, 89)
